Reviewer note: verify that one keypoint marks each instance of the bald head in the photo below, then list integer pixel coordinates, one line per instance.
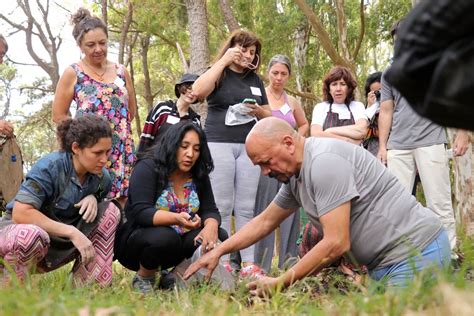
(276, 147)
(270, 129)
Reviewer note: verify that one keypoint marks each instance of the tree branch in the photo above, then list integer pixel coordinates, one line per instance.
(305, 95)
(361, 32)
(229, 17)
(46, 90)
(13, 24)
(342, 29)
(124, 31)
(322, 35)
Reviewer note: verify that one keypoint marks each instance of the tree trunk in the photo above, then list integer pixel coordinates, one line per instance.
(145, 45)
(300, 52)
(198, 43)
(342, 29)
(124, 31)
(463, 170)
(198, 35)
(138, 123)
(361, 32)
(228, 14)
(103, 9)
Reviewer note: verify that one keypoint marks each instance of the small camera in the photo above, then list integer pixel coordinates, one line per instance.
(377, 95)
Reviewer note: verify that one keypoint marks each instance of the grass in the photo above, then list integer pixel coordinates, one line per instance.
(328, 294)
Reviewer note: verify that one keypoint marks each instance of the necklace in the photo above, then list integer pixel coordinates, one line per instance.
(274, 96)
(101, 76)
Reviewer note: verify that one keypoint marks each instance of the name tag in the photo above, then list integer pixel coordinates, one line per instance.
(285, 109)
(256, 91)
(119, 82)
(172, 119)
(345, 115)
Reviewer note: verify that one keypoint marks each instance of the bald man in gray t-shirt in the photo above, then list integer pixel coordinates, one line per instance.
(386, 222)
(361, 206)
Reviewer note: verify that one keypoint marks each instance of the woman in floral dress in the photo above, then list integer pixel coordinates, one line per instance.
(104, 88)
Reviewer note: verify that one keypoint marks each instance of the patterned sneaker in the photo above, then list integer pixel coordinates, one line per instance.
(228, 267)
(252, 271)
(142, 284)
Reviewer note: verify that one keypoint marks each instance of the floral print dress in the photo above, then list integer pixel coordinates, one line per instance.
(109, 100)
(168, 201)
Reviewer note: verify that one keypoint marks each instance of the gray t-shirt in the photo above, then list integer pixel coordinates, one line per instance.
(386, 221)
(409, 130)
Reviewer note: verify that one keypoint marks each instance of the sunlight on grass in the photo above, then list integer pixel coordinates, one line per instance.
(328, 294)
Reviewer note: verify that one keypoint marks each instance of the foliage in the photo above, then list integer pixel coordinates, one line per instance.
(53, 294)
(7, 77)
(274, 21)
(36, 136)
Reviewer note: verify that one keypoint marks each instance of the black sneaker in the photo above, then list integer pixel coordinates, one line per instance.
(167, 280)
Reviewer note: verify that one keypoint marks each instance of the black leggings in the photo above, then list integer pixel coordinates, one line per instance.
(160, 247)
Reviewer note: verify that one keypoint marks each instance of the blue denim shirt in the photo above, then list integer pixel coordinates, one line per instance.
(52, 186)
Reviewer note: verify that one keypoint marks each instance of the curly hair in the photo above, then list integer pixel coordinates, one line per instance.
(164, 153)
(338, 73)
(84, 22)
(85, 131)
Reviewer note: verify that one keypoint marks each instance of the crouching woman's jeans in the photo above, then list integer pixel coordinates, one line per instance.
(436, 255)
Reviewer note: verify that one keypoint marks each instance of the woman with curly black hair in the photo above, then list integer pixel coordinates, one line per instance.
(171, 208)
(59, 215)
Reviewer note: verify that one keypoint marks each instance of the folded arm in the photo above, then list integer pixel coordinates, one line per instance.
(358, 131)
(317, 131)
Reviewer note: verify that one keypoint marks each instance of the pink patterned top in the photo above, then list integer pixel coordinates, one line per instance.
(109, 100)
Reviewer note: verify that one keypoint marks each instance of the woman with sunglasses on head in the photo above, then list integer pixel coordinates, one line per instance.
(232, 81)
(57, 215)
(167, 113)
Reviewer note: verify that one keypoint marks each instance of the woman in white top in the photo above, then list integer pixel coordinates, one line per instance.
(339, 116)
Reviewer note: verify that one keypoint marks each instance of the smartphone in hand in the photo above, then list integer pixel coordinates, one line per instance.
(192, 216)
(249, 100)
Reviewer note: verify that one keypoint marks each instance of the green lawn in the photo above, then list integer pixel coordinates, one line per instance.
(52, 294)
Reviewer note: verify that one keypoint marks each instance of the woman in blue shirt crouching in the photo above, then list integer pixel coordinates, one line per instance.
(56, 216)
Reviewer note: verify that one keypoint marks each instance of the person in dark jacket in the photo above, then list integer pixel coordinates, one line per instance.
(433, 65)
(167, 113)
(171, 207)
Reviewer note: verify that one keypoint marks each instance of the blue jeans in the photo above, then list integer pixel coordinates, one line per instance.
(436, 254)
